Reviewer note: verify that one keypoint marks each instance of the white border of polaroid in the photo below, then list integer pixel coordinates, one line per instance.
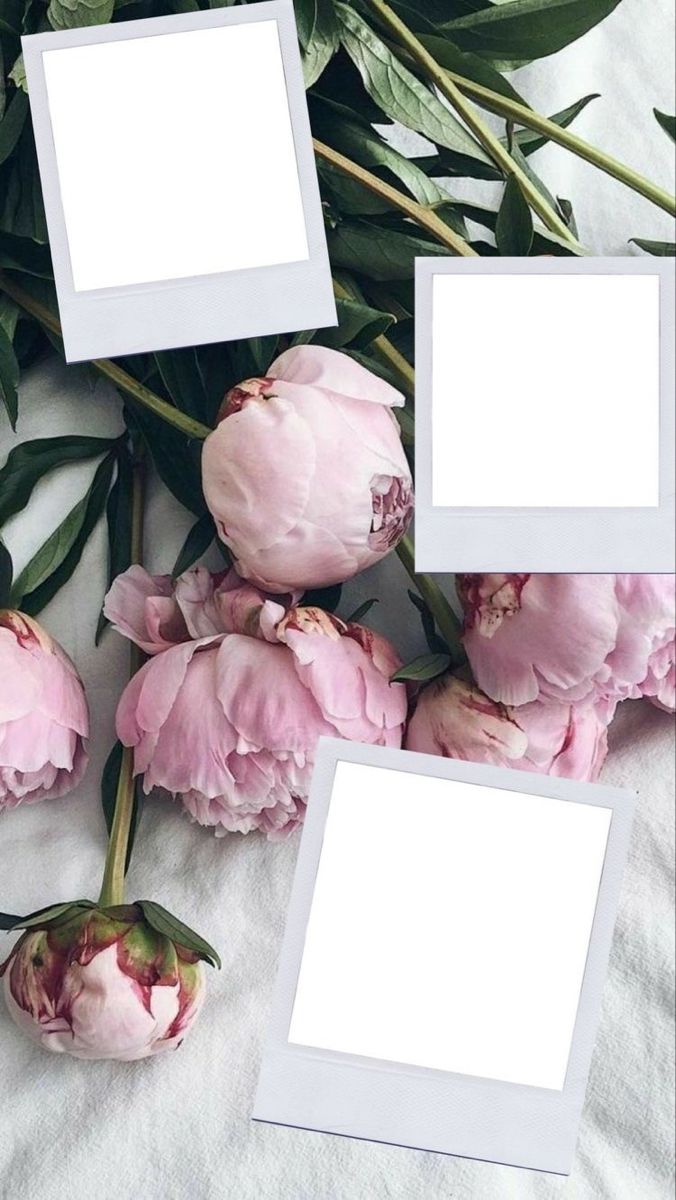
(419, 1107)
(108, 322)
(543, 539)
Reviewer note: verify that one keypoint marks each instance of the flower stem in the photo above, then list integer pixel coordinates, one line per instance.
(425, 217)
(126, 383)
(112, 887)
(503, 106)
(447, 623)
(448, 88)
(384, 348)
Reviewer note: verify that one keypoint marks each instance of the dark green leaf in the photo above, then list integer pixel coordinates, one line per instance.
(169, 926)
(514, 226)
(55, 562)
(119, 522)
(522, 30)
(176, 458)
(21, 254)
(566, 209)
(667, 123)
(378, 253)
(6, 574)
(181, 376)
(262, 351)
(435, 643)
(470, 66)
(12, 124)
(427, 666)
(659, 249)
(358, 324)
(318, 36)
(22, 212)
(10, 16)
(29, 462)
(360, 612)
(195, 545)
(72, 14)
(43, 916)
(397, 91)
(110, 779)
(529, 140)
(9, 378)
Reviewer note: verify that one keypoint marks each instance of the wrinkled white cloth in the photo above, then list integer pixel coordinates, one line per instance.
(179, 1126)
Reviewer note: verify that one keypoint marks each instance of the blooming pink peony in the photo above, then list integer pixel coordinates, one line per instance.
(456, 720)
(103, 984)
(592, 639)
(305, 475)
(230, 721)
(44, 721)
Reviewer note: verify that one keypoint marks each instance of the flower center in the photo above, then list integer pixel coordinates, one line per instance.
(392, 503)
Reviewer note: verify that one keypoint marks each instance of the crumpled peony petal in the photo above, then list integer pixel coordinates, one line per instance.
(265, 448)
(456, 720)
(319, 366)
(139, 606)
(565, 740)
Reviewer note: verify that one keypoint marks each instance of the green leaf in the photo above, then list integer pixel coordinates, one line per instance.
(358, 324)
(397, 91)
(514, 226)
(181, 376)
(419, 670)
(10, 16)
(195, 545)
(56, 560)
(667, 123)
(73, 14)
(318, 36)
(659, 249)
(522, 30)
(119, 522)
(169, 926)
(110, 778)
(435, 643)
(360, 612)
(470, 66)
(529, 140)
(176, 457)
(18, 75)
(6, 574)
(22, 212)
(9, 378)
(43, 916)
(29, 462)
(22, 254)
(12, 124)
(378, 253)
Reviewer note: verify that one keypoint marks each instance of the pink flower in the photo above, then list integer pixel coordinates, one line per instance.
(44, 721)
(456, 720)
(592, 639)
(305, 475)
(230, 722)
(103, 984)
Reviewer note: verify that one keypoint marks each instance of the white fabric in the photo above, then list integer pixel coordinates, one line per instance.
(179, 1126)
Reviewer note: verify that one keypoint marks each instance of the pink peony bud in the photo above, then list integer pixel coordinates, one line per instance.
(456, 720)
(230, 722)
(592, 639)
(305, 475)
(102, 983)
(44, 721)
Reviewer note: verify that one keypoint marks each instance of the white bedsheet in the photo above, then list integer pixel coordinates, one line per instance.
(179, 1126)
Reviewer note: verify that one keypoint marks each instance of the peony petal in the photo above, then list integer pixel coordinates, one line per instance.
(134, 608)
(321, 367)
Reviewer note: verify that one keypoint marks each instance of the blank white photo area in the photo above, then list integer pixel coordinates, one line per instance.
(545, 390)
(187, 170)
(450, 925)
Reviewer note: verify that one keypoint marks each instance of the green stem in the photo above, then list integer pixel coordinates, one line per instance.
(502, 106)
(447, 623)
(425, 217)
(112, 887)
(384, 349)
(491, 144)
(125, 382)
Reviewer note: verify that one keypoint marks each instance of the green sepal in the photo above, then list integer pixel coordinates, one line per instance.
(181, 935)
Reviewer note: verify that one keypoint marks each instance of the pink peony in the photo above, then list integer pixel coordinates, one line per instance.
(457, 720)
(230, 721)
(44, 721)
(592, 639)
(103, 984)
(305, 475)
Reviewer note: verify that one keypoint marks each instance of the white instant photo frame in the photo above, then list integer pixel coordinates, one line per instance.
(545, 414)
(179, 180)
(446, 945)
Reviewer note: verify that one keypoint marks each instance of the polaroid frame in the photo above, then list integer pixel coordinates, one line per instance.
(569, 539)
(129, 319)
(420, 1107)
